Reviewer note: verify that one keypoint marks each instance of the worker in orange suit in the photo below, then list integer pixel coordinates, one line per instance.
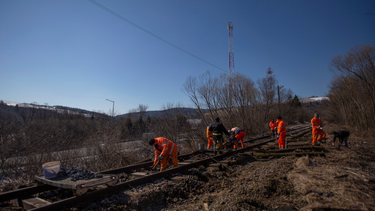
(239, 135)
(281, 132)
(317, 129)
(273, 126)
(209, 137)
(164, 150)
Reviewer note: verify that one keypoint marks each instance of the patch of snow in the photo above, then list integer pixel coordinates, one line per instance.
(319, 98)
(313, 99)
(9, 103)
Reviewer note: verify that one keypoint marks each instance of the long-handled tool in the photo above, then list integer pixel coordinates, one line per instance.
(154, 166)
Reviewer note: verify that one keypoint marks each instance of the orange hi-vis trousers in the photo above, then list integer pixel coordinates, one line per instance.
(164, 162)
(210, 142)
(282, 136)
(239, 137)
(318, 135)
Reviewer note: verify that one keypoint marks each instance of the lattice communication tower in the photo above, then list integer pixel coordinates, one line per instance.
(231, 53)
(269, 72)
(231, 68)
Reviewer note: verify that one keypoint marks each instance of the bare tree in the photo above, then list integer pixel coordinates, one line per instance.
(355, 82)
(142, 110)
(267, 88)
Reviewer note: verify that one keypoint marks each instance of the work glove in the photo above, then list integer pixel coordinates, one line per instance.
(321, 128)
(160, 157)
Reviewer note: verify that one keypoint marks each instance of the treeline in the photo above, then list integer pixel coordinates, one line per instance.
(31, 136)
(352, 90)
(240, 102)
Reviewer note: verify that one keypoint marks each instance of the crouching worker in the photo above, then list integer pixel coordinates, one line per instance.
(217, 128)
(273, 126)
(239, 134)
(342, 135)
(164, 150)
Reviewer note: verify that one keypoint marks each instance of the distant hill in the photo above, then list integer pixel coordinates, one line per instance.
(57, 108)
(162, 113)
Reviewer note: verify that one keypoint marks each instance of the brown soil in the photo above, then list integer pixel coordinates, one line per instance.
(344, 178)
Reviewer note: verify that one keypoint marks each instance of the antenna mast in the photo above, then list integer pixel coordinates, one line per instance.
(231, 67)
(269, 72)
(231, 54)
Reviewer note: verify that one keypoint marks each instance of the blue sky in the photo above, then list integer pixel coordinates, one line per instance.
(74, 53)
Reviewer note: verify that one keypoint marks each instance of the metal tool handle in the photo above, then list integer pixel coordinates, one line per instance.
(101, 183)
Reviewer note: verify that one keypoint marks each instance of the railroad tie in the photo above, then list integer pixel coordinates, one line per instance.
(32, 203)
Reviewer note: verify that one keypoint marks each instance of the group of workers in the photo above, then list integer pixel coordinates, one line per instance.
(278, 129)
(215, 135)
(166, 149)
(319, 135)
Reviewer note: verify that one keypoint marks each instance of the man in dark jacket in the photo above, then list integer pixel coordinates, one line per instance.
(343, 135)
(217, 130)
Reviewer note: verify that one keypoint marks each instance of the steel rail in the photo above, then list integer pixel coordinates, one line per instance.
(143, 180)
(28, 191)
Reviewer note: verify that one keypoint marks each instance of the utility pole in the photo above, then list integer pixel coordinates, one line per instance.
(113, 108)
(278, 94)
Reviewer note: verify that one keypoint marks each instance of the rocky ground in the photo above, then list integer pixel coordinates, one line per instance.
(344, 178)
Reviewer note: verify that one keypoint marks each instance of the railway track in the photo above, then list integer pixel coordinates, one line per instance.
(252, 143)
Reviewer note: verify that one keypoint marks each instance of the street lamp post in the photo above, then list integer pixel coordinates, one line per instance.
(278, 94)
(113, 108)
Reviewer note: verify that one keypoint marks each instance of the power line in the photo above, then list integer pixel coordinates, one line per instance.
(152, 34)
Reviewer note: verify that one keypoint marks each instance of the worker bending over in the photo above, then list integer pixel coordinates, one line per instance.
(239, 135)
(281, 132)
(164, 150)
(343, 136)
(209, 137)
(273, 126)
(217, 130)
(317, 129)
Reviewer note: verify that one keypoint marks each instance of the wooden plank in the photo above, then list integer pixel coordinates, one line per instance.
(183, 163)
(34, 203)
(300, 143)
(291, 149)
(140, 174)
(66, 182)
(263, 155)
(215, 164)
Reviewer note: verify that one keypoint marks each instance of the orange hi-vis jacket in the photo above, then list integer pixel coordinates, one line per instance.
(164, 147)
(316, 123)
(209, 133)
(281, 127)
(273, 125)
